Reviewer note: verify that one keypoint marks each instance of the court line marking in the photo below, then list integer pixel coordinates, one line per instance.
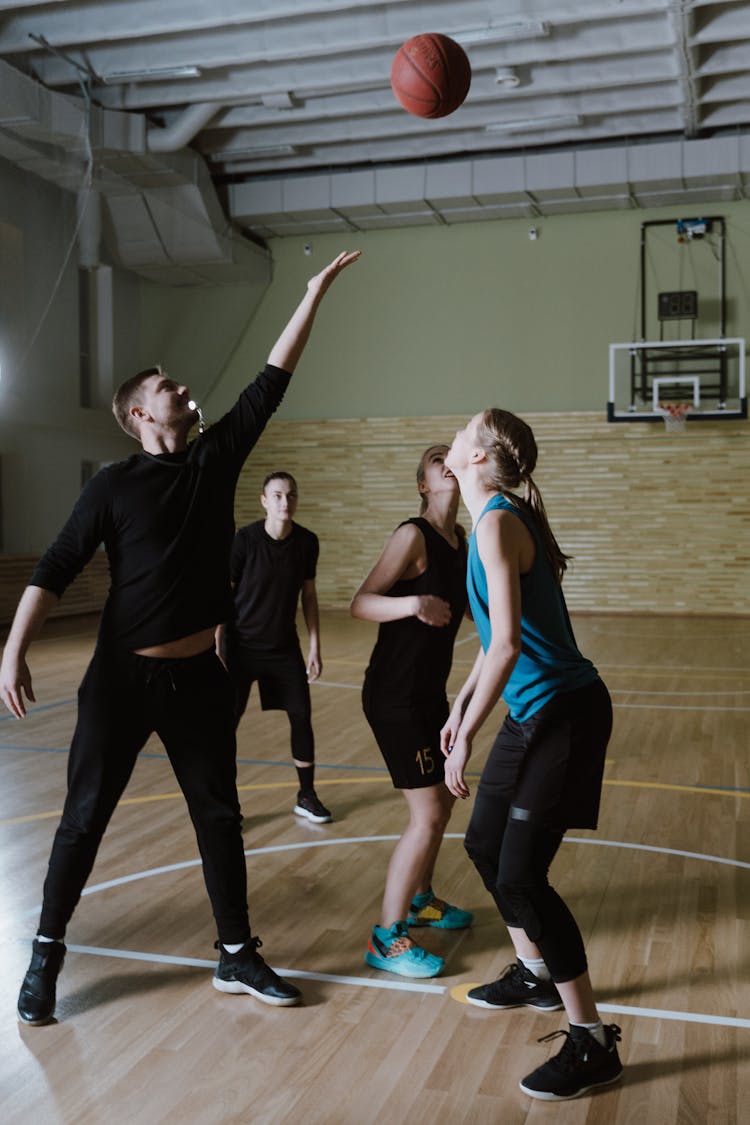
(716, 791)
(638, 668)
(368, 982)
(620, 706)
(300, 974)
(269, 849)
(673, 706)
(398, 986)
(689, 694)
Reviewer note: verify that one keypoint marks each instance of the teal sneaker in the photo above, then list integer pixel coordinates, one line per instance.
(394, 952)
(429, 910)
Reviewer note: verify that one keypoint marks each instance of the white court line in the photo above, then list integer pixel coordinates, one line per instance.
(689, 694)
(133, 878)
(661, 851)
(672, 668)
(401, 986)
(367, 982)
(465, 640)
(331, 683)
(680, 1017)
(673, 706)
(621, 706)
(300, 974)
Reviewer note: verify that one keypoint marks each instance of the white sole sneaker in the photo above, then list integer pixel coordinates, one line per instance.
(299, 811)
(236, 987)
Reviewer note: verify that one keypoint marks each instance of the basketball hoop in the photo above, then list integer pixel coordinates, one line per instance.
(674, 415)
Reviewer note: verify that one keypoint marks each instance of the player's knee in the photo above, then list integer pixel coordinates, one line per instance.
(483, 860)
(519, 900)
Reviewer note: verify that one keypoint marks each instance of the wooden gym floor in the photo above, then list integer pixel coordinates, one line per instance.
(661, 891)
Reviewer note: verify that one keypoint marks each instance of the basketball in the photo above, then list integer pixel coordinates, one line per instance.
(430, 75)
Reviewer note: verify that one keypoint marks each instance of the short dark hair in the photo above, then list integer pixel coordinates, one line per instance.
(127, 393)
(281, 475)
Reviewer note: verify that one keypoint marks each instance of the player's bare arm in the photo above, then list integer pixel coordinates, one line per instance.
(15, 678)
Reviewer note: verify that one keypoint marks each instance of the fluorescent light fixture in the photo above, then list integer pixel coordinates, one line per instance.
(252, 153)
(513, 29)
(535, 124)
(150, 74)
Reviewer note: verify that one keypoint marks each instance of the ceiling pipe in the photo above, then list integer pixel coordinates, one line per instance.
(89, 209)
(183, 129)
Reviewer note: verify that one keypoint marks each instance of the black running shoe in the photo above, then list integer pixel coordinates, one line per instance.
(582, 1065)
(310, 806)
(246, 971)
(36, 1000)
(516, 988)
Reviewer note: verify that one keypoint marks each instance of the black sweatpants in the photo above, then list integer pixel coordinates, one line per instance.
(123, 699)
(541, 777)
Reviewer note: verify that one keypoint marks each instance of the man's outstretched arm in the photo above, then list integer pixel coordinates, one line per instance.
(291, 343)
(33, 609)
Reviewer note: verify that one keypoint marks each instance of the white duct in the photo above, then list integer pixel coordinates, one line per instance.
(181, 131)
(153, 200)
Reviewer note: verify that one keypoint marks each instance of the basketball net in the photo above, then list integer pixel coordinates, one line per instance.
(674, 415)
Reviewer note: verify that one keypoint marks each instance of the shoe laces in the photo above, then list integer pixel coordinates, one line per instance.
(438, 904)
(512, 972)
(402, 944)
(575, 1049)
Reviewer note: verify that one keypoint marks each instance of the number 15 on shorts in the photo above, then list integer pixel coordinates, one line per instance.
(425, 761)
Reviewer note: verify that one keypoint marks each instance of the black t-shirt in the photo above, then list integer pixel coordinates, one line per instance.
(166, 521)
(268, 575)
(410, 663)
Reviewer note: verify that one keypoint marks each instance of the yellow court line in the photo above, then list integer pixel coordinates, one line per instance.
(375, 781)
(174, 796)
(681, 788)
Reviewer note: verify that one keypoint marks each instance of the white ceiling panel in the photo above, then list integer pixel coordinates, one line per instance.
(274, 91)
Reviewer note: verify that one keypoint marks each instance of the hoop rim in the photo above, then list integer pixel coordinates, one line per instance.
(677, 410)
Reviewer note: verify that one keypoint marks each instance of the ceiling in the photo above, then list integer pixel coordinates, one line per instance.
(289, 102)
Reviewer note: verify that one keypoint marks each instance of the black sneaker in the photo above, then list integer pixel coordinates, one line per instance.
(246, 971)
(516, 988)
(36, 1000)
(581, 1065)
(310, 806)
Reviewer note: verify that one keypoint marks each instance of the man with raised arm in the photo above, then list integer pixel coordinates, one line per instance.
(166, 519)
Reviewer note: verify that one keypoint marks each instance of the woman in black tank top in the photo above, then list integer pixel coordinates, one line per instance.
(417, 593)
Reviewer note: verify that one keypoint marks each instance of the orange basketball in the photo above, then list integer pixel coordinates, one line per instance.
(430, 75)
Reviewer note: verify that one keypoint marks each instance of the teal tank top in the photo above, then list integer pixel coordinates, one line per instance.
(550, 662)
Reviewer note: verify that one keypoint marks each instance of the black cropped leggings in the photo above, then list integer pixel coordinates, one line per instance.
(539, 776)
(513, 858)
(123, 699)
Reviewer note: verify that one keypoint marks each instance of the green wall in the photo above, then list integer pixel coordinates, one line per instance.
(446, 320)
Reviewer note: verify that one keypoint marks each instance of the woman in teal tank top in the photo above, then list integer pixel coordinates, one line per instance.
(543, 774)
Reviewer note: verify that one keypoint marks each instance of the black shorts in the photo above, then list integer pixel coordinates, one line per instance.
(281, 678)
(410, 745)
(551, 766)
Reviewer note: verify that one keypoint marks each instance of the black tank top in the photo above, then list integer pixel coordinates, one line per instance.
(410, 663)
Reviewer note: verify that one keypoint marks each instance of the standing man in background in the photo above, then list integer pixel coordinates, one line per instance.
(166, 519)
(272, 568)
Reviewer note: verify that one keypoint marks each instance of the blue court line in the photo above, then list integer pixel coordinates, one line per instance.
(240, 761)
(42, 707)
(324, 766)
